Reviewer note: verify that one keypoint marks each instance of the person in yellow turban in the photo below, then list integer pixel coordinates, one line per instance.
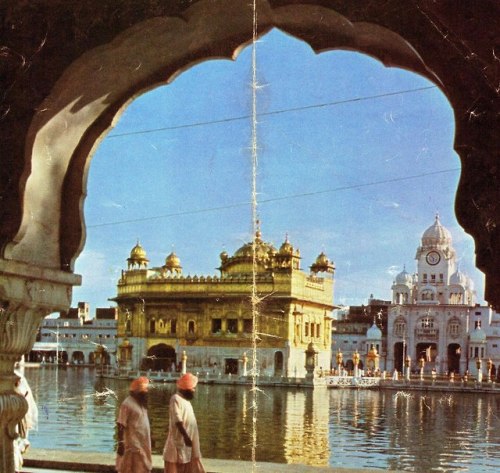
(182, 448)
(134, 433)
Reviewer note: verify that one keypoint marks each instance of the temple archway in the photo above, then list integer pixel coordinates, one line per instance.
(160, 357)
(454, 354)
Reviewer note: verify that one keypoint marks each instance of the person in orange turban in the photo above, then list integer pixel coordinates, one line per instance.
(134, 433)
(139, 385)
(182, 448)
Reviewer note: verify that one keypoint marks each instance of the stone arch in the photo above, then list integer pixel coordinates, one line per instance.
(91, 91)
(78, 357)
(69, 71)
(160, 357)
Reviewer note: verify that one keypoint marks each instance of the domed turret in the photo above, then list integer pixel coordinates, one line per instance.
(404, 278)
(173, 263)
(322, 264)
(286, 248)
(458, 278)
(374, 333)
(137, 257)
(436, 235)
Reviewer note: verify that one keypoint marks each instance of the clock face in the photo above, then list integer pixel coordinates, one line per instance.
(433, 257)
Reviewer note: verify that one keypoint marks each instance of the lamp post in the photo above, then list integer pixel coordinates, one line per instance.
(479, 370)
(184, 362)
(355, 359)
(407, 366)
(339, 358)
(421, 363)
(489, 366)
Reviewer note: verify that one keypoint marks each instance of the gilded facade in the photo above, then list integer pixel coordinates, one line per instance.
(164, 314)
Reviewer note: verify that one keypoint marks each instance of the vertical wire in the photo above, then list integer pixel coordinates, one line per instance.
(254, 295)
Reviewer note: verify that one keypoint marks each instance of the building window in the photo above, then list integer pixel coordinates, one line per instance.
(152, 326)
(232, 325)
(318, 330)
(433, 277)
(248, 325)
(173, 326)
(400, 329)
(191, 327)
(425, 277)
(216, 325)
(427, 322)
(454, 328)
(306, 329)
(441, 277)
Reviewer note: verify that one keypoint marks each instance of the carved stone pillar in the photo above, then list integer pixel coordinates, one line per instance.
(27, 295)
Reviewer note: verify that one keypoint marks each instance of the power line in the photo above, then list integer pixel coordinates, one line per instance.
(274, 199)
(275, 112)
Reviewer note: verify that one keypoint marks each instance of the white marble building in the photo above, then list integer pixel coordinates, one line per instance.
(434, 316)
(74, 337)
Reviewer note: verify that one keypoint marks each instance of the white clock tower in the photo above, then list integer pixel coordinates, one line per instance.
(428, 321)
(436, 262)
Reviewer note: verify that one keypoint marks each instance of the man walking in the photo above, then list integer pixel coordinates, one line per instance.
(182, 448)
(134, 437)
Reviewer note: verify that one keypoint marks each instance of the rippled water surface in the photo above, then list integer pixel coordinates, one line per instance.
(418, 432)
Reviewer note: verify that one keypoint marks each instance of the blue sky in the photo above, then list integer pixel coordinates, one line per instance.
(335, 178)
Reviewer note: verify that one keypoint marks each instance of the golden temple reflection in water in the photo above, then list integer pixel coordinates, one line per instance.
(306, 417)
(403, 431)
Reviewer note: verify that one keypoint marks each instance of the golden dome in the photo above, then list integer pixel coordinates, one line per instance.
(137, 257)
(322, 264)
(138, 252)
(286, 248)
(263, 250)
(172, 261)
(322, 259)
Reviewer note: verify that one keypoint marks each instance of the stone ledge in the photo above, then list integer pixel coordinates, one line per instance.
(105, 462)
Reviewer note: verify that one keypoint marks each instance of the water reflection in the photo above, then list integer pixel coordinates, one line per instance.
(418, 432)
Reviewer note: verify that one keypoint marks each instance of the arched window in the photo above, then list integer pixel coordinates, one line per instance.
(191, 327)
(400, 327)
(152, 326)
(454, 327)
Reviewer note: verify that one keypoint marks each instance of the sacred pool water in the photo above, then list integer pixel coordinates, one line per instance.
(417, 432)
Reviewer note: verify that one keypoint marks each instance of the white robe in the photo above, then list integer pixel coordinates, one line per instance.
(176, 451)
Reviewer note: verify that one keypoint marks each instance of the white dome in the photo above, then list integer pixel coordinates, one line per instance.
(404, 278)
(374, 333)
(458, 278)
(478, 335)
(436, 234)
